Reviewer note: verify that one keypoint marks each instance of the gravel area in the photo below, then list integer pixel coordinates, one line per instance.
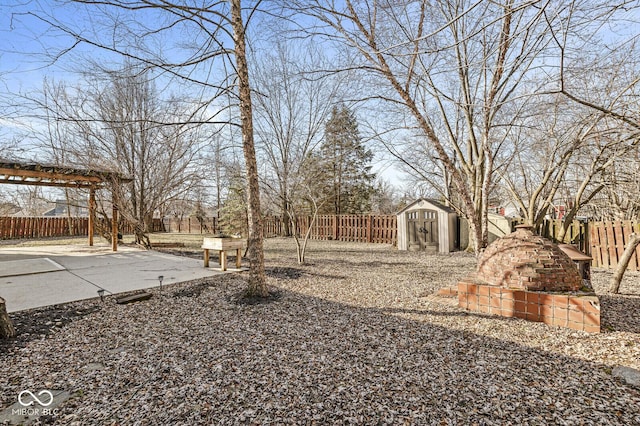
(355, 336)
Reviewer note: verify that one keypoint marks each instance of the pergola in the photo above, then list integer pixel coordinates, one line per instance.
(18, 173)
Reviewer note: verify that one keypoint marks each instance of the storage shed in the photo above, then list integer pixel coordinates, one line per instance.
(427, 225)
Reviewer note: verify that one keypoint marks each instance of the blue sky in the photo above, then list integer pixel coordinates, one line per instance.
(29, 43)
(26, 41)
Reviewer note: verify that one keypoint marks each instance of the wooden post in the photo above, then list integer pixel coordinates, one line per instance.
(206, 258)
(114, 227)
(238, 259)
(92, 213)
(223, 259)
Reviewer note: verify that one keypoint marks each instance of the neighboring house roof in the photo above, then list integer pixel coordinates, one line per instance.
(8, 209)
(77, 208)
(434, 203)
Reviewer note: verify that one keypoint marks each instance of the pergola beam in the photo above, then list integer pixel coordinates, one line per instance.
(17, 173)
(78, 185)
(52, 175)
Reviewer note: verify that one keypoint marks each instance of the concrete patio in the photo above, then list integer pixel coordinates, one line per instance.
(32, 277)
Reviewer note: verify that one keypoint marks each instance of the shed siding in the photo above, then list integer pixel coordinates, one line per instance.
(447, 224)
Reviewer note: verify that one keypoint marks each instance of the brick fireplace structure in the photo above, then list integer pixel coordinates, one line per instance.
(526, 276)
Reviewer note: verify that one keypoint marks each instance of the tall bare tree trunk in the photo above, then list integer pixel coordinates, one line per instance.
(257, 280)
(6, 326)
(630, 250)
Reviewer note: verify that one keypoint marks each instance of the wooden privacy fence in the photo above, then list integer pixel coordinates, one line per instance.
(356, 228)
(608, 240)
(191, 225)
(44, 227)
(40, 227)
(577, 233)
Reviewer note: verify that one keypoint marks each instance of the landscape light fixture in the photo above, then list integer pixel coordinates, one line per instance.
(101, 294)
(160, 278)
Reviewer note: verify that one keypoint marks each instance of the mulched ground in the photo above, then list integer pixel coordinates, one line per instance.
(355, 336)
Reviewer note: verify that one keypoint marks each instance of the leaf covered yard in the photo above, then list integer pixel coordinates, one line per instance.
(355, 336)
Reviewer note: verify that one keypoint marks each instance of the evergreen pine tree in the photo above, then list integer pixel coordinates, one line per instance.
(345, 163)
(233, 213)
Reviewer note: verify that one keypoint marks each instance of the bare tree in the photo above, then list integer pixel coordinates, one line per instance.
(291, 108)
(559, 155)
(257, 281)
(111, 122)
(620, 198)
(454, 67)
(314, 202)
(7, 329)
(629, 252)
(600, 68)
(211, 60)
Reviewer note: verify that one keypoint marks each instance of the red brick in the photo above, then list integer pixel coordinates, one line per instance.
(546, 310)
(495, 302)
(533, 297)
(483, 301)
(472, 298)
(508, 313)
(575, 325)
(520, 307)
(560, 300)
(531, 316)
(546, 299)
(508, 304)
(576, 316)
(560, 313)
(483, 290)
(591, 319)
(592, 328)
(448, 292)
(483, 308)
(546, 319)
(575, 304)
(522, 315)
(561, 322)
(507, 294)
(462, 300)
(590, 306)
(519, 296)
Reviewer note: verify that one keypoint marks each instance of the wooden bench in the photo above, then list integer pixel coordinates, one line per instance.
(222, 245)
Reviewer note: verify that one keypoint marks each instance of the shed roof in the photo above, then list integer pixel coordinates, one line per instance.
(434, 203)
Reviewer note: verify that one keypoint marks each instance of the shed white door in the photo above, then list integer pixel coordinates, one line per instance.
(422, 230)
